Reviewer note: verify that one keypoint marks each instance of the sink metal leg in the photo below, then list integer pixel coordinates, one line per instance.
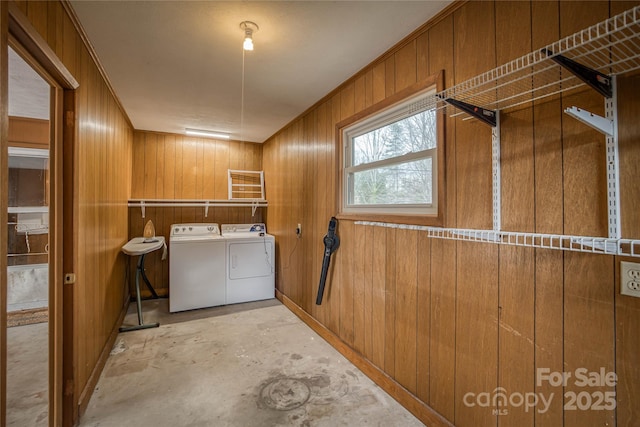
(141, 324)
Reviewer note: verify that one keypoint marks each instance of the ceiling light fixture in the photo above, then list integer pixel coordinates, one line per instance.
(248, 27)
(206, 133)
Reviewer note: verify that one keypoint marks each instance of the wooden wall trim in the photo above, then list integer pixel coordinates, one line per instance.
(32, 41)
(421, 411)
(92, 53)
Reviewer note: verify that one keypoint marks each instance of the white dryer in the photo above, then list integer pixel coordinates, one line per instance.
(197, 254)
(250, 272)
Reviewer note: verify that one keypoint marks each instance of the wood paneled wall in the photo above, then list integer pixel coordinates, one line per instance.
(446, 318)
(170, 166)
(103, 144)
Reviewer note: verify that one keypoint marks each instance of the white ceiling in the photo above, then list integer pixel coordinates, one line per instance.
(178, 64)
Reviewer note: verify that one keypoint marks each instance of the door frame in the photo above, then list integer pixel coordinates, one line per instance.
(18, 32)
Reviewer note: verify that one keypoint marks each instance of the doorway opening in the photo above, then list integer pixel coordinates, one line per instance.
(28, 242)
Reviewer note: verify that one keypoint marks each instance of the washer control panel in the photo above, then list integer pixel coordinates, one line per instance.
(244, 228)
(198, 229)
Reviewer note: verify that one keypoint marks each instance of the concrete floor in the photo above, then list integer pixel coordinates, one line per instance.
(28, 375)
(246, 365)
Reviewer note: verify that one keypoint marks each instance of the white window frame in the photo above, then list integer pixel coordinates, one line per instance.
(396, 112)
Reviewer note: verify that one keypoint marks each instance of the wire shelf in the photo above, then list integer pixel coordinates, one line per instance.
(611, 47)
(594, 245)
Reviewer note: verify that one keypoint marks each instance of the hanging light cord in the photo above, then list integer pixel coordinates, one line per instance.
(242, 101)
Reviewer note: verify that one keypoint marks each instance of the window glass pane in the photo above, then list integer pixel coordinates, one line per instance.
(404, 183)
(411, 134)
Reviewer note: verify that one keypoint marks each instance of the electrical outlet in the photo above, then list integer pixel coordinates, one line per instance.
(630, 278)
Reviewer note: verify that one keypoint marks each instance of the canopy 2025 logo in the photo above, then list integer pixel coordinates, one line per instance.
(500, 400)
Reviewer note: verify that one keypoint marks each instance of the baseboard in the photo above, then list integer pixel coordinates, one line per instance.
(87, 391)
(419, 409)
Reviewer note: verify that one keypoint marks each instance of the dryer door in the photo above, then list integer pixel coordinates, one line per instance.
(250, 259)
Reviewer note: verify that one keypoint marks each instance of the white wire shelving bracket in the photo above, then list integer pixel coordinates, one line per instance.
(593, 57)
(495, 176)
(254, 204)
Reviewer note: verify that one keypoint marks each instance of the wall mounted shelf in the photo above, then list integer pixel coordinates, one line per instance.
(593, 57)
(246, 190)
(594, 245)
(245, 185)
(254, 204)
(610, 47)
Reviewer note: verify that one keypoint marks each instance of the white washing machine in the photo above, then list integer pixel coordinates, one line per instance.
(197, 254)
(250, 272)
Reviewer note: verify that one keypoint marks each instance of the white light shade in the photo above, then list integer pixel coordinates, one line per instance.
(247, 44)
(208, 134)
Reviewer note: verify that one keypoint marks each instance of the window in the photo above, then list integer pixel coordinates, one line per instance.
(390, 159)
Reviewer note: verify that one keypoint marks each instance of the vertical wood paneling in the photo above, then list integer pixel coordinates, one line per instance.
(629, 153)
(189, 168)
(333, 117)
(422, 57)
(389, 76)
(516, 364)
(390, 303)
(150, 164)
(378, 317)
(516, 333)
(628, 308)
(346, 281)
(627, 348)
(474, 53)
(322, 213)
(167, 179)
(585, 197)
(303, 212)
(379, 82)
(588, 302)
(423, 319)
(549, 330)
(368, 292)
(358, 289)
(442, 342)
(406, 308)
(405, 66)
(476, 332)
(549, 213)
(441, 43)
(174, 166)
